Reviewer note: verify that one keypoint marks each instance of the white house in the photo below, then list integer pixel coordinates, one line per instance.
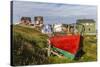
(46, 29)
(57, 27)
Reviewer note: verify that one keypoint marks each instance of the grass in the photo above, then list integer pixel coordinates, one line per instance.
(28, 47)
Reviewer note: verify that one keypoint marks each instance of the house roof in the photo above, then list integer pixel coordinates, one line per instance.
(85, 21)
(26, 18)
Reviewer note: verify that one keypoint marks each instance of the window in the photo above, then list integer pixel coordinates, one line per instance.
(89, 29)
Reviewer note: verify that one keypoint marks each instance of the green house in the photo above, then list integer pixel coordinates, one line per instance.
(86, 26)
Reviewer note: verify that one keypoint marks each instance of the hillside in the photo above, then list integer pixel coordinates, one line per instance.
(28, 47)
(23, 54)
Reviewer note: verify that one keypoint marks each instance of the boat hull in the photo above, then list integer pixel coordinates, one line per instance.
(69, 43)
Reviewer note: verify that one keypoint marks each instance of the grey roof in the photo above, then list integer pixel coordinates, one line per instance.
(85, 21)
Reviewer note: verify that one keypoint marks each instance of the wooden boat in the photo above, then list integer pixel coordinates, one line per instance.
(66, 43)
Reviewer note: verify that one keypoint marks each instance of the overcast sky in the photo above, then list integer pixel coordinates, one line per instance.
(52, 12)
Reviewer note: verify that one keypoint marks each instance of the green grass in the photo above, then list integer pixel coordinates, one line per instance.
(37, 54)
(21, 53)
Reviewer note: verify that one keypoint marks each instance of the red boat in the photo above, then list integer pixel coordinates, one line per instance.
(69, 43)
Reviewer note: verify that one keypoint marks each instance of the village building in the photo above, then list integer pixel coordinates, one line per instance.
(64, 28)
(57, 27)
(86, 26)
(38, 21)
(25, 20)
(47, 29)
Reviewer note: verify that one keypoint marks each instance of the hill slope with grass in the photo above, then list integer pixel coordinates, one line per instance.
(28, 47)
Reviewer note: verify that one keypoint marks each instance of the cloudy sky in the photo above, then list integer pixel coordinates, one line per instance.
(53, 13)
